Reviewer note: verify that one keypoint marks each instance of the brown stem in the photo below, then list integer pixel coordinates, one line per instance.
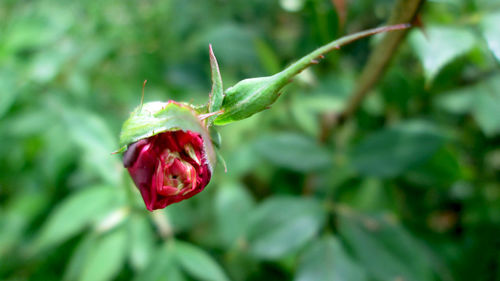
(403, 11)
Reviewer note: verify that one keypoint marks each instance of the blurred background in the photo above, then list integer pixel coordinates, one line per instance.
(406, 189)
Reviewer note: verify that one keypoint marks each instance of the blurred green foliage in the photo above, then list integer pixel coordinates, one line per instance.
(407, 189)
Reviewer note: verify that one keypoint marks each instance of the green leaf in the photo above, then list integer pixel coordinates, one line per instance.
(217, 93)
(487, 106)
(182, 217)
(384, 248)
(481, 100)
(9, 92)
(443, 169)
(233, 206)
(107, 258)
(17, 215)
(267, 56)
(30, 32)
(241, 49)
(489, 27)
(294, 151)
(326, 259)
(162, 266)
(329, 96)
(369, 195)
(391, 152)
(27, 123)
(281, 225)
(75, 213)
(93, 136)
(440, 46)
(243, 159)
(142, 241)
(13, 225)
(459, 101)
(45, 66)
(197, 263)
(80, 256)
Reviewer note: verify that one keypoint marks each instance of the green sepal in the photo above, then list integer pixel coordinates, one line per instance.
(157, 117)
(200, 108)
(216, 137)
(221, 160)
(217, 93)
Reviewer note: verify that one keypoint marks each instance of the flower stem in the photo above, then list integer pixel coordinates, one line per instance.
(253, 95)
(287, 74)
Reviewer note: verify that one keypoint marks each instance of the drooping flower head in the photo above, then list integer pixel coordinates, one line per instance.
(169, 154)
(168, 151)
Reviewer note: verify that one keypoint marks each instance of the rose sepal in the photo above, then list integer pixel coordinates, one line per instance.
(153, 118)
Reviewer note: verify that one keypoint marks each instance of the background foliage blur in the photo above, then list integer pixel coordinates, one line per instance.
(407, 189)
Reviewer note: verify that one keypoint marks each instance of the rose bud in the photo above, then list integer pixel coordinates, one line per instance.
(168, 152)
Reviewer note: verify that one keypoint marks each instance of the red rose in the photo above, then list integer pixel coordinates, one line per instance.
(173, 164)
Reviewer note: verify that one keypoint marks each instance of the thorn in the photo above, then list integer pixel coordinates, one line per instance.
(417, 22)
(337, 47)
(314, 62)
(267, 107)
(341, 9)
(321, 57)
